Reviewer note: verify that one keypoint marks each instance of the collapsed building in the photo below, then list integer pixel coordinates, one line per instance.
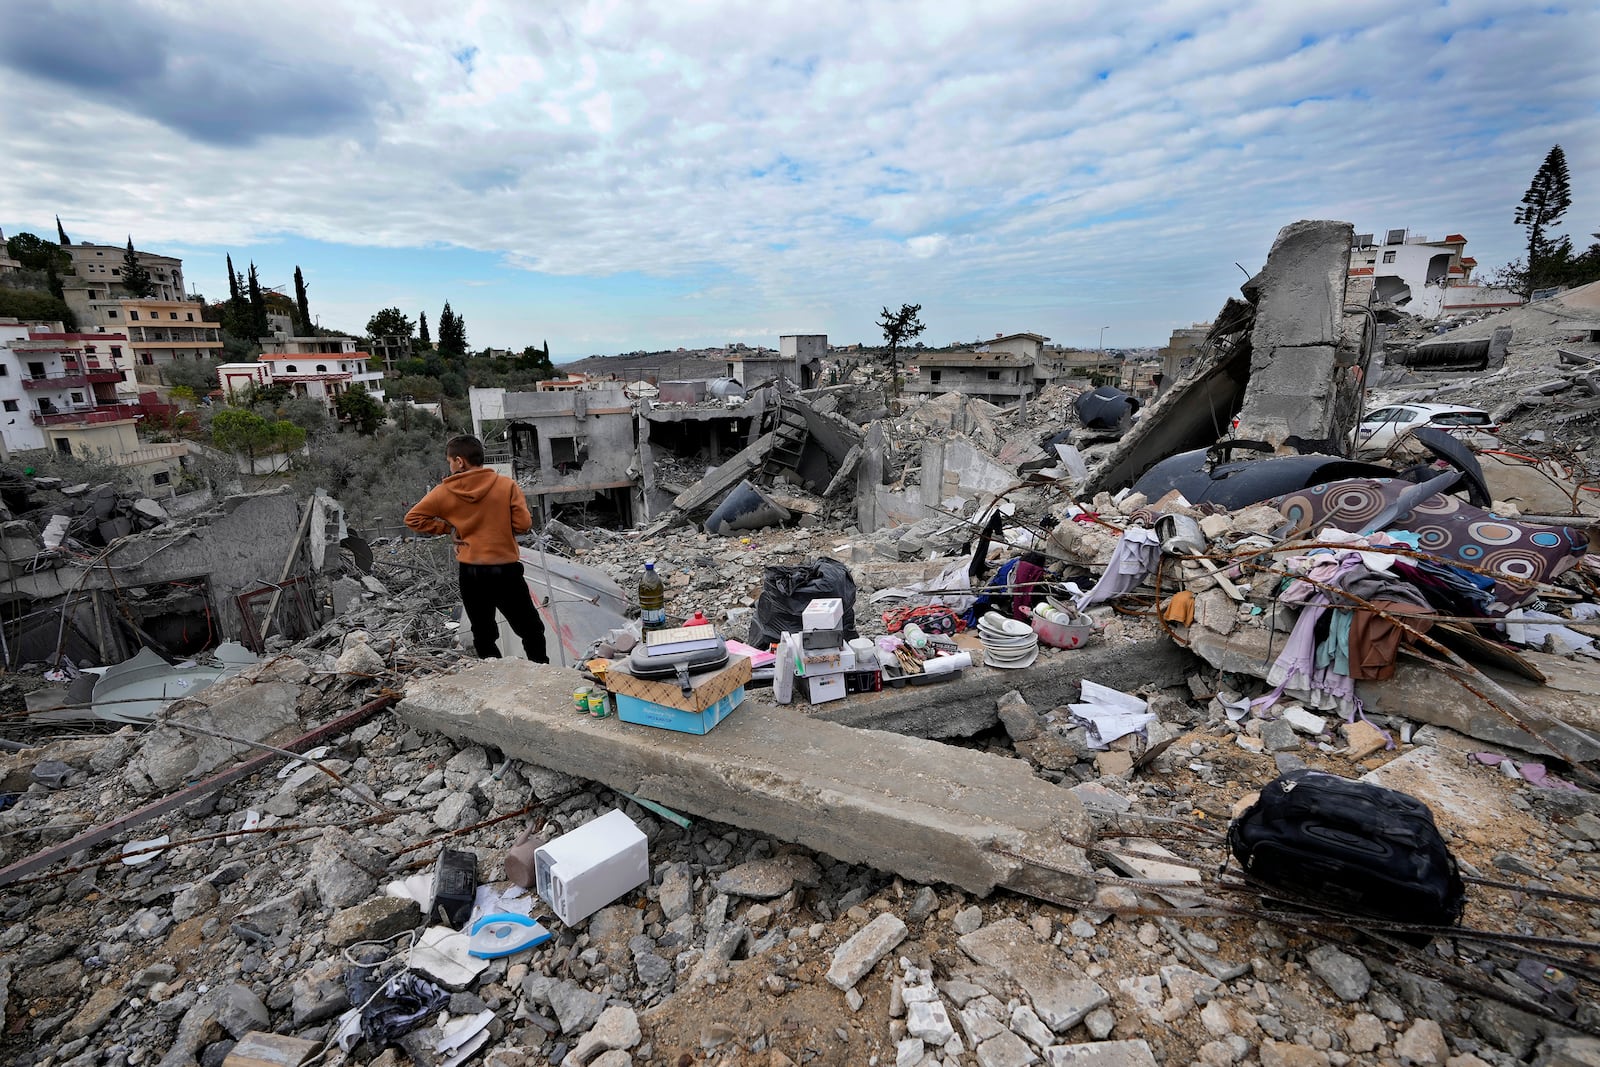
(972, 871)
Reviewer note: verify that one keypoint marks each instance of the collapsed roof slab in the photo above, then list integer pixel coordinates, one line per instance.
(965, 705)
(920, 809)
(1562, 709)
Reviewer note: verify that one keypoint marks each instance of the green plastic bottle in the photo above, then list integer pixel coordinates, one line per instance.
(652, 599)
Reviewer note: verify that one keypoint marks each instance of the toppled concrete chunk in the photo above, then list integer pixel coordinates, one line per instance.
(768, 879)
(865, 948)
(1061, 994)
(343, 870)
(616, 1028)
(374, 919)
(360, 659)
(1101, 1054)
(169, 757)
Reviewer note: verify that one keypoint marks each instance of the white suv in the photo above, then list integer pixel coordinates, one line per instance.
(1381, 428)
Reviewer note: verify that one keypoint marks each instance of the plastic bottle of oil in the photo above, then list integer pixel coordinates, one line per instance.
(652, 599)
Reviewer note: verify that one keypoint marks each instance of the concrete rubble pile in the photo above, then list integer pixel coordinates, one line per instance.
(980, 872)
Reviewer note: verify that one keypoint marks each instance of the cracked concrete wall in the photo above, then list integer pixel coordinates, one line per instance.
(238, 546)
(1301, 366)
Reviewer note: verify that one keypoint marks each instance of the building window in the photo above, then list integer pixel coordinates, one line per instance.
(161, 478)
(322, 368)
(290, 369)
(99, 253)
(566, 455)
(1388, 257)
(5, 371)
(147, 359)
(116, 351)
(64, 446)
(77, 398)
(113, 314)
(994, 376)
(133, 316)
(12, 405)
(116, 272)
(89, 349)
(173, 314)
(933, 376)
(189, 315)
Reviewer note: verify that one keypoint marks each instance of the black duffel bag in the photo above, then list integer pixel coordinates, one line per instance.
(1352, 846)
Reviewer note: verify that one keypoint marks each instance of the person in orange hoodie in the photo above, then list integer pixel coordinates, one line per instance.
(484, 511)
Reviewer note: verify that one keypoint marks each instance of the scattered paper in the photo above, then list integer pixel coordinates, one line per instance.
(133, 853)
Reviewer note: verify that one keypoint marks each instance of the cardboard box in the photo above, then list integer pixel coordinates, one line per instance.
(707, 688)
(824, 687)
(824, 661)
(824, 613)
(585, 869)
(644, 713)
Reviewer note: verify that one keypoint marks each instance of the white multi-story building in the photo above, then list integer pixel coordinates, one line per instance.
(323, 374)
(1428, 279)
(58, 390)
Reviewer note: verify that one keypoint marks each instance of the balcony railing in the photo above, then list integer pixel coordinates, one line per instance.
(86, 416)
(56, 381)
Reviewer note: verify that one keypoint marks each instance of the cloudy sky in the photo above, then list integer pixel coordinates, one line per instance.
(625, 174)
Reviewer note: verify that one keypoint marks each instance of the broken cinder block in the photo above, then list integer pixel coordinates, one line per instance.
(1362, 739)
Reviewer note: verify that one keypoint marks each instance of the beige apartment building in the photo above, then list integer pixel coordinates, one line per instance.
(160, 333)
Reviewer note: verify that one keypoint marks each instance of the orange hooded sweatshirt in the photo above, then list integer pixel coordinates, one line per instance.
(484, 511)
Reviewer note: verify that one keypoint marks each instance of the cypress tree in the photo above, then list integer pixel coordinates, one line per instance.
(258, 305)
(300, 301)
(135, 278)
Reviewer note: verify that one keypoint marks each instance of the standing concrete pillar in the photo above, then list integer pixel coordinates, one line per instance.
(1303, 383)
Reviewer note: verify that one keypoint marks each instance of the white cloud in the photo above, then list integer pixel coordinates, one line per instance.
(993, 163)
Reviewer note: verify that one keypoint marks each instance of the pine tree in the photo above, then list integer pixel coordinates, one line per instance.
(1546, 201)
(61, 233)
(452, 333)
(135, 278)
(258, 305)
(422, 330)
(300, 302)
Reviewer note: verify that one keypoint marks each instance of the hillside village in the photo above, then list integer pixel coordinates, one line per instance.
(245, 734)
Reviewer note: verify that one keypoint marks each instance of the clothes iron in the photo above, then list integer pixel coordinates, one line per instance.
(505, 934)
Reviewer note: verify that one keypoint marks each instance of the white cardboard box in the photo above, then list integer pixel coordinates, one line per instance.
(822, 688)
(826, 613)
(585, 869)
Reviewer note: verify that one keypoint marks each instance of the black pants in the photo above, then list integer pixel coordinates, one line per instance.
(488, 587)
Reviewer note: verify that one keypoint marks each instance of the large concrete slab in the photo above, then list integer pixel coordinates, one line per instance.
(965, 706)
(926, 811)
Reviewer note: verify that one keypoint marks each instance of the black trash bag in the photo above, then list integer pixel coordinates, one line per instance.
(785, 592)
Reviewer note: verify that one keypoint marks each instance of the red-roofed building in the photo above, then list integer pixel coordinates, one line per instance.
(327, 367)
(1407, 271)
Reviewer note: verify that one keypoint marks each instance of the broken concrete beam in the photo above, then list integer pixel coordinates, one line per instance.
(926, 811)
(1298, 344)
(965, 706)
(713, 486)
(1560, 709)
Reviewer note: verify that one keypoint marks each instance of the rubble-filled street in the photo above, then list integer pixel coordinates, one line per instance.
(928, 816)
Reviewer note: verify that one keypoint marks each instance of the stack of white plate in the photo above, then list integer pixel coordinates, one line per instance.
(1007, 642)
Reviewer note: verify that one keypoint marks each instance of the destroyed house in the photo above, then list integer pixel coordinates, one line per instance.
(571, 448)
(999, 377)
